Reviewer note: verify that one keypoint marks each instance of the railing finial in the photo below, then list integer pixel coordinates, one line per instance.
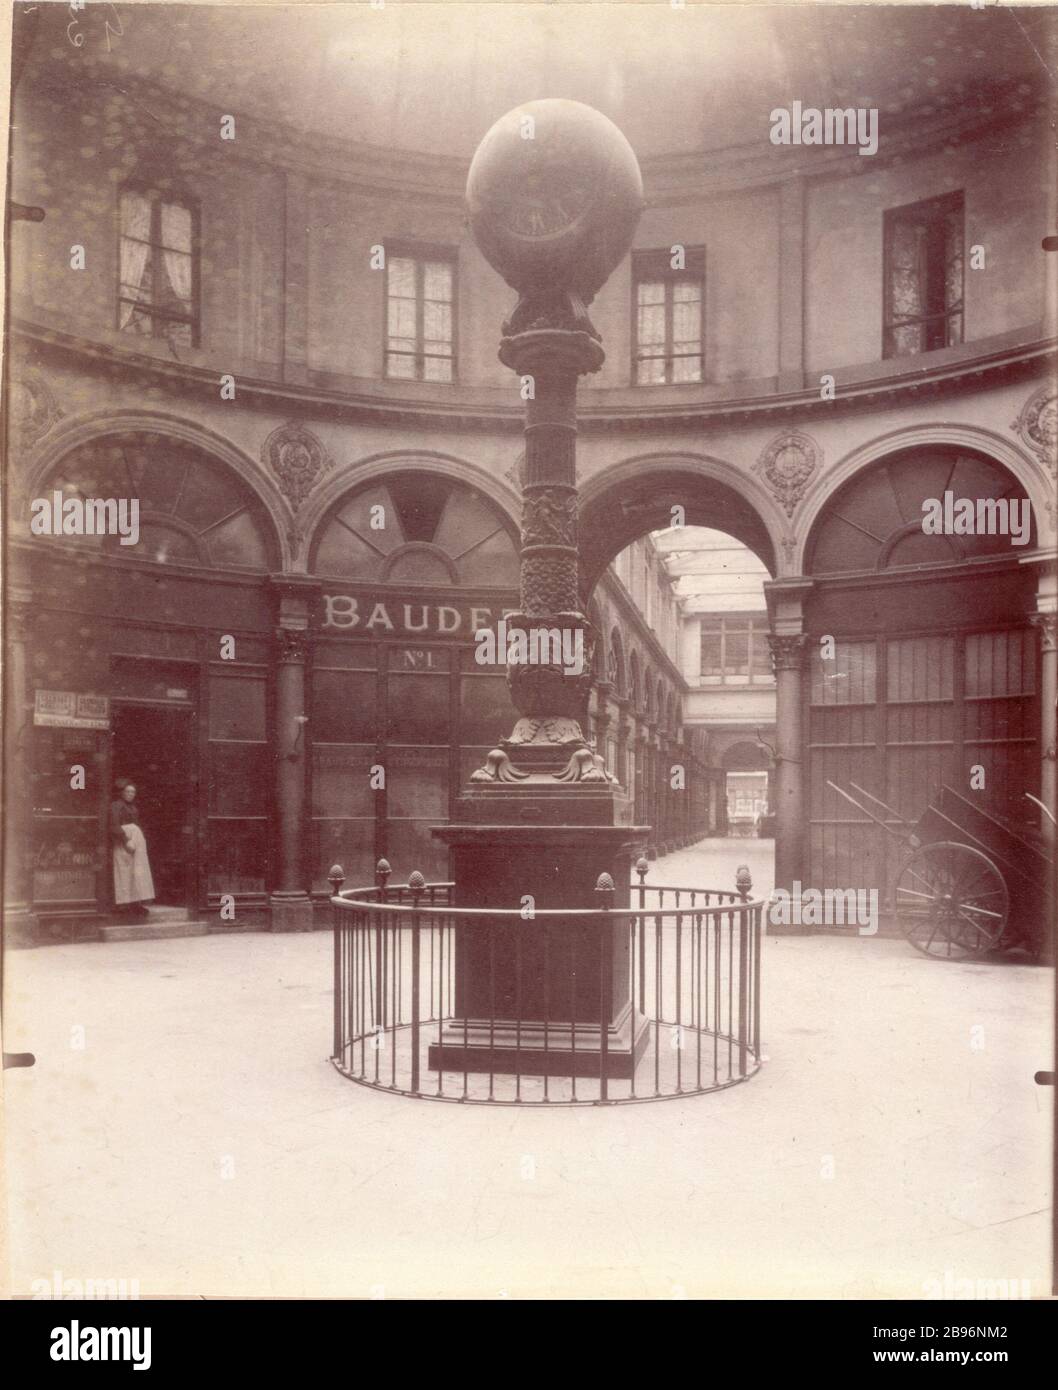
(743, 881)
(642, 868)
(335, 877)
(604, 889)
(416, 885)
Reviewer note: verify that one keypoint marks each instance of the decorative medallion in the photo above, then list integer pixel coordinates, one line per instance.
(1038, 426)
(297, 458)
(788, 465)
(34, 409)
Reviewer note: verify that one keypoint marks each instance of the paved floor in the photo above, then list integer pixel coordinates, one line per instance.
(182, 1127)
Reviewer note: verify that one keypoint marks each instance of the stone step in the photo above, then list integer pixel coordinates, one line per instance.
(153, 930)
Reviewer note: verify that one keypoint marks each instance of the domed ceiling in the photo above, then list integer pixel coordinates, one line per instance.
(432, 78)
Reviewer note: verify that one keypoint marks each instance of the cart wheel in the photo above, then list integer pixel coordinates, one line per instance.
(951, 901)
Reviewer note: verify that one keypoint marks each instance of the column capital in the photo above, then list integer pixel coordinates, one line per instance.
(291, 644)
(1048, 626)
(787, 650)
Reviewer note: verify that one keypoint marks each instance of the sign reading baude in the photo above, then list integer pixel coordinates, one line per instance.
(367, 614)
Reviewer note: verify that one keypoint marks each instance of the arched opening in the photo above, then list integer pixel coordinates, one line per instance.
(700, 675)
(748, 788)
(635, 689)
(615, 514)
(156, 669)
(417, 528)
(922, 660)
(617, 668)
(411, 565)
(193, 510)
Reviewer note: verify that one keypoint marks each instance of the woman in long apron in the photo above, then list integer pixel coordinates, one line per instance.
(133, 884)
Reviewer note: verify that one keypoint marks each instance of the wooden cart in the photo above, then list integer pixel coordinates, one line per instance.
(968, 883)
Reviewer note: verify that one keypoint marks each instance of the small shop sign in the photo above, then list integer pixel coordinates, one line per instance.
(71, 709)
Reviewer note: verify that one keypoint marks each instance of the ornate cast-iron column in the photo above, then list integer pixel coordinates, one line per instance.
(548, 738)
(553, 196)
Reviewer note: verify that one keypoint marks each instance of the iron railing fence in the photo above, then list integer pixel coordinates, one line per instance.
(487, 1006)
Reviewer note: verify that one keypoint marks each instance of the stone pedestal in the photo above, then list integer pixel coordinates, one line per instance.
(535, 996)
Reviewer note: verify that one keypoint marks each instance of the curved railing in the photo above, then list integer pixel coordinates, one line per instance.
(486, 1006)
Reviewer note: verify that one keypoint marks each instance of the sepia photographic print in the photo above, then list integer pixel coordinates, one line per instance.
(529, 706)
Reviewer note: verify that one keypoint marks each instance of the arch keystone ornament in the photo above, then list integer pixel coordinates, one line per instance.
(297, 459)
(554, 215)
(787, 466)
(1037, 425)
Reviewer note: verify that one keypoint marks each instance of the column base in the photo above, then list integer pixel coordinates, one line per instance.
(506, 1046)
(291, 912)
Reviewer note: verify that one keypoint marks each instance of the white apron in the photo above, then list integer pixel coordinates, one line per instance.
(132, 872)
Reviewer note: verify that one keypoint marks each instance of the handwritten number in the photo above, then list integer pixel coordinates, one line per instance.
(118, 31)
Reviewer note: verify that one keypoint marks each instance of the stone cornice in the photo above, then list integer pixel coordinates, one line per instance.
(370, 401)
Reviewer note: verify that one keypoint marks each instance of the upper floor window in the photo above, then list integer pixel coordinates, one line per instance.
(158, 274)
(420, 335)
(924, 276)
(668, 316)
(735, 648)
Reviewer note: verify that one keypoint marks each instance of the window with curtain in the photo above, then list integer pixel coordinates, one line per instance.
(420, 302)
(158, 274)
(734, 648)
(668, 317)
(924, 276)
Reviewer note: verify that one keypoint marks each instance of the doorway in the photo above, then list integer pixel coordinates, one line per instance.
(152, 748)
